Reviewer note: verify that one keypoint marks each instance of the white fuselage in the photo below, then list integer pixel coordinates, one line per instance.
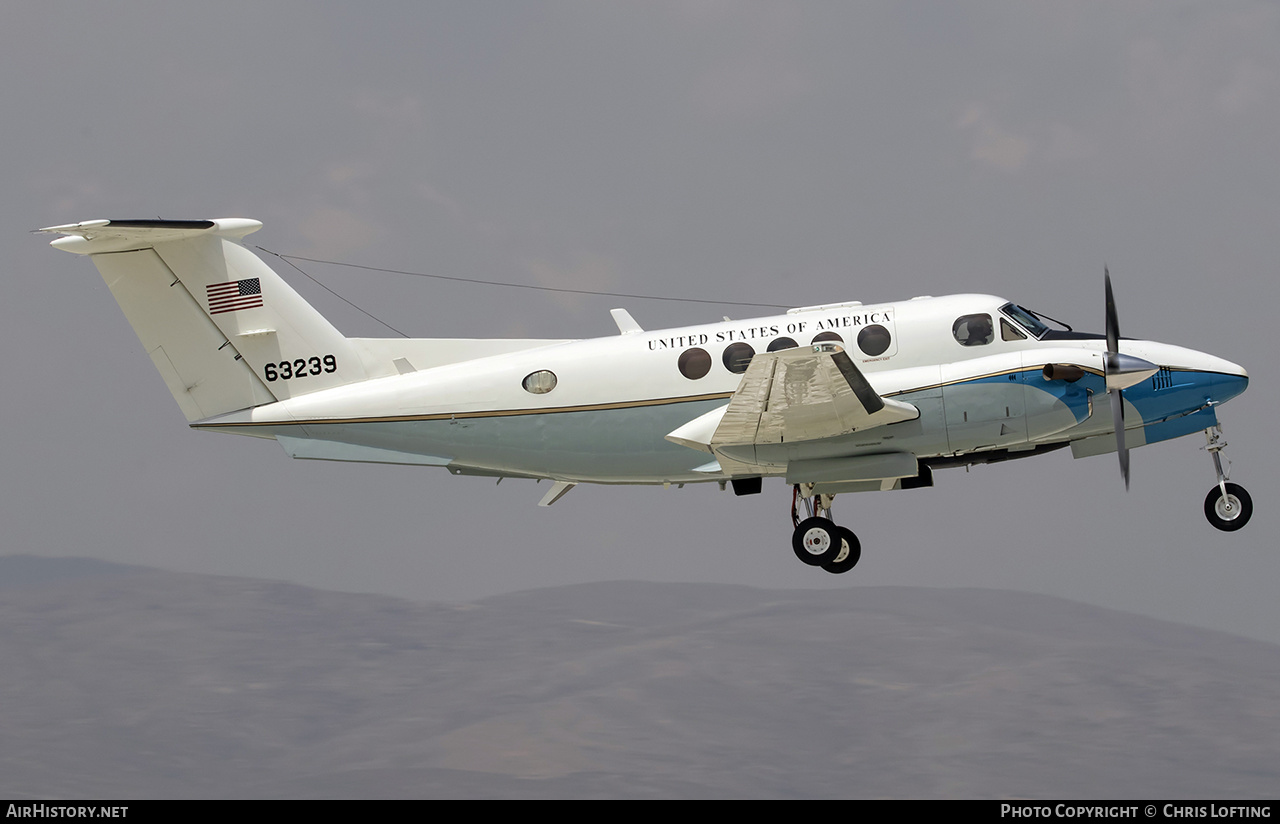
(615, 399)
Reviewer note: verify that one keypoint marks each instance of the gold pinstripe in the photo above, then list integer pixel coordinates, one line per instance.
(599, 407)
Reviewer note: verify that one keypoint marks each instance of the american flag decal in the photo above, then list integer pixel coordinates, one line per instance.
(234, 296)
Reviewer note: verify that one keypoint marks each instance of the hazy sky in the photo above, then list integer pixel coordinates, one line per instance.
(792, 153)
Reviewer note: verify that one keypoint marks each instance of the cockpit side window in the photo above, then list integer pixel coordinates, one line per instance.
(1025, 319)
(1010, 332)
(973, 330)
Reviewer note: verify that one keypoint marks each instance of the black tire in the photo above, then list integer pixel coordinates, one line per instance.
(850, 560)
(1215, 508)
(816, 541)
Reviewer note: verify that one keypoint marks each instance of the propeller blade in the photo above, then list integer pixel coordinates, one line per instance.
(1117, 367)
(1117, 418)
(1113, 322)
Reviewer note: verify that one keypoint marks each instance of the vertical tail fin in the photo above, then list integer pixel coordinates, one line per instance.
(224, 330)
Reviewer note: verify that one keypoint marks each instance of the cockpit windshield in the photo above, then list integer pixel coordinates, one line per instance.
(1026, 319)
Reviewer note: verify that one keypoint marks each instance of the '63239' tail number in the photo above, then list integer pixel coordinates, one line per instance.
(300, 368)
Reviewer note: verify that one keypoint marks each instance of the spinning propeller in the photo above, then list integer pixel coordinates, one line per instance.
(1122, 371)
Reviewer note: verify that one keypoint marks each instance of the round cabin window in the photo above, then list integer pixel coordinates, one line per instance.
(737, 357)
(782, 343)
(874, 340)
(694, 363)
(826, 336)
(540, 382)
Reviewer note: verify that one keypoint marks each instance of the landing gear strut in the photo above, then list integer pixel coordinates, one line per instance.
(817, 540)
(1227, 506)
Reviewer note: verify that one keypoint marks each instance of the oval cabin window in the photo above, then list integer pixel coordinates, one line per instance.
(540, 382)
(694, 363)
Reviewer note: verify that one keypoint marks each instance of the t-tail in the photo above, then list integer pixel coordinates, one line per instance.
(224, 330)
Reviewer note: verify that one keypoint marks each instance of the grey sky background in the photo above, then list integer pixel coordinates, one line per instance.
(790, 153)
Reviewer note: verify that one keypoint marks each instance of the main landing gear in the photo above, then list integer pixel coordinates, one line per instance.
(1227, 506)
(817, 540)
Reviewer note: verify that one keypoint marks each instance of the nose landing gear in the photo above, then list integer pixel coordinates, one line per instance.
(817, 540)
(1227, 506)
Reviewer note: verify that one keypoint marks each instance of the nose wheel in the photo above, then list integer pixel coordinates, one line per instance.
(1228, 509)
(1227, 506)
(819, 541)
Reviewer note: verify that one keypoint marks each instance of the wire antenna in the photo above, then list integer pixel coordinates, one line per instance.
(289, 258)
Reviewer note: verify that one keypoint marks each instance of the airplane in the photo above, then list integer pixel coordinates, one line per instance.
(833, 398)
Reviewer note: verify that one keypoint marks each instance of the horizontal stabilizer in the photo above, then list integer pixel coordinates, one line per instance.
(93, 237)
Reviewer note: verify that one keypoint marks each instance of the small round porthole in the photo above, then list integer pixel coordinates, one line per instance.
(737, 357)
(540, 382)
(822, 337)
(694, 363)
(874, 340)
(782, 343)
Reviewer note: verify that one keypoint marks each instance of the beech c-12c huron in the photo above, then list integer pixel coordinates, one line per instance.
(836, 398)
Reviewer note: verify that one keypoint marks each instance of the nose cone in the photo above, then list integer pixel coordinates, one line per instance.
(1227, 379)
(1213, 378)
(1228, 384)
(1226, 367)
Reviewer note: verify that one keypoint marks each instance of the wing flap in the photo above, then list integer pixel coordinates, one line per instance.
(804, 394)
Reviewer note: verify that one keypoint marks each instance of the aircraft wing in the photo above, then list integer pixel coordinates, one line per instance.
(802, 394)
